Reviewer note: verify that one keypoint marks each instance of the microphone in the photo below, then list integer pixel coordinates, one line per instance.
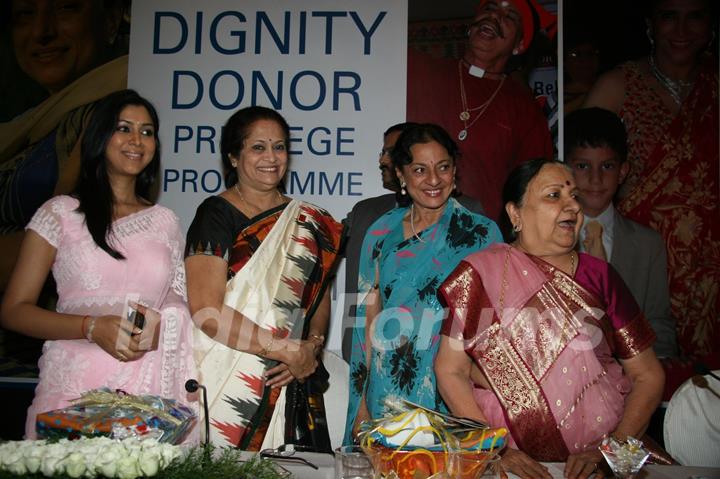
(191, 385)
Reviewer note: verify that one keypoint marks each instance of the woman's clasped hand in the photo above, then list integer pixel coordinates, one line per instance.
(298, 366)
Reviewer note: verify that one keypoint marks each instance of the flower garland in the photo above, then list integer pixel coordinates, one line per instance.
(102, 457)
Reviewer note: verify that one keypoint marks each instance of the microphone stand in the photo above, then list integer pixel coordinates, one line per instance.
(191, 385)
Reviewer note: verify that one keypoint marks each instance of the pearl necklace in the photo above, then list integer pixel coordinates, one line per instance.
(412, 223)
(465, 113)
(678, 89)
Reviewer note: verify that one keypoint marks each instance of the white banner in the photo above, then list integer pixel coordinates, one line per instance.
(335, 69)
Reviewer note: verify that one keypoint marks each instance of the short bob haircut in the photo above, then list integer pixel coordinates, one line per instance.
(93, 187)
(420, 133)
(236, 131)
(595, 128)
(516, 186)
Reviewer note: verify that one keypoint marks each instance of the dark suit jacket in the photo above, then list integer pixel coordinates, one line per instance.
(357, 222)
(639, 255)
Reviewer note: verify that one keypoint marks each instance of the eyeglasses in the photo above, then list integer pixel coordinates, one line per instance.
(286, 453)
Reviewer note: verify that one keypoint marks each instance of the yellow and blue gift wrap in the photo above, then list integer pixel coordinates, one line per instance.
(399, 446)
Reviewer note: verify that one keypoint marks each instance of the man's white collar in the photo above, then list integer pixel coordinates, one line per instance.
(476, 71)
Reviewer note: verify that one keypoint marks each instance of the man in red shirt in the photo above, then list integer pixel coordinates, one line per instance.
(494, 118)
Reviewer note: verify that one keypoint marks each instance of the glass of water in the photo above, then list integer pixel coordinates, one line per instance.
(352, 463)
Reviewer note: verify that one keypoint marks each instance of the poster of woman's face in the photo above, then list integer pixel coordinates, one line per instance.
(48, 48)
(51, 43)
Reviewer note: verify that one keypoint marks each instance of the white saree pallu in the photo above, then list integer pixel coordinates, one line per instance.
(267, 291)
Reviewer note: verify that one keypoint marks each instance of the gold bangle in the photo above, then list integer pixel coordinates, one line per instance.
(318, 342)
(265, 350)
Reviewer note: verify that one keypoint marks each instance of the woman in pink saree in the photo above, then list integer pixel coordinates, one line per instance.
(557, 348)
(108, 246)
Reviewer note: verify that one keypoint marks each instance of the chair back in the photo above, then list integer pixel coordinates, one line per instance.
(692, 423)
(336, 397)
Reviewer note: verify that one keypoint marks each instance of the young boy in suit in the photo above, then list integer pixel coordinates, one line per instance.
(596, 149)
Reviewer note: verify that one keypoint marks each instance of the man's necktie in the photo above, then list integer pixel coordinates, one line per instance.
(593, 240)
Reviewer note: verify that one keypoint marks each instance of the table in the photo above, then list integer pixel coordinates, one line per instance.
(681, 472)
(650, 472)
(324, 462)
(326, 469)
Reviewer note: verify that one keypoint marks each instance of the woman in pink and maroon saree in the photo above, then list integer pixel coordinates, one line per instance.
(545, 341)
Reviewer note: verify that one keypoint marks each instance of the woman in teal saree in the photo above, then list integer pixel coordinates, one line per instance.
(406, 255)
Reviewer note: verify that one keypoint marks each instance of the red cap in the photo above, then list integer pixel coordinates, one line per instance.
(548, 21)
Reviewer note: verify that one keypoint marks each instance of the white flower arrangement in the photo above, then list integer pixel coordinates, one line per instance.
(88, 457)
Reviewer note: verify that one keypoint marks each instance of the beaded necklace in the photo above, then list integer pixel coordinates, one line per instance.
(678, 89)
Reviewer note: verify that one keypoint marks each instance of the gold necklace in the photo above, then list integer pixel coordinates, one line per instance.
(504, 283)
(242, 198)
(465, 113)
(412, 223)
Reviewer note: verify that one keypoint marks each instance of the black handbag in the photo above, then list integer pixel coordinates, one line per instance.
(305, 421)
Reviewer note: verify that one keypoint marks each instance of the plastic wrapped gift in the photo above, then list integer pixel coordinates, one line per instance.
(625, 458)
(116, 414)
(419, 443)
